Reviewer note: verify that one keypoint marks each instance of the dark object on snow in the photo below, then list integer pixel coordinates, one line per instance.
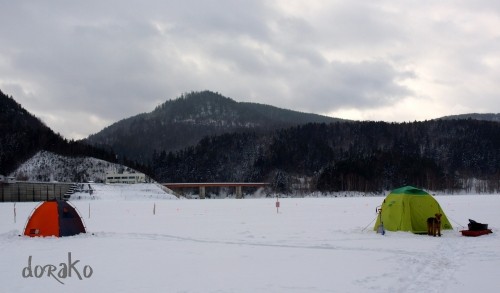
(476, 229)
(476, 233)
(475, 226)
(380, 228)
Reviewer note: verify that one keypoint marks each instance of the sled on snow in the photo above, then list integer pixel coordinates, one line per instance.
(476, 229)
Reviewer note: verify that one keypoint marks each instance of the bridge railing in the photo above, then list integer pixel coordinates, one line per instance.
(203, 185)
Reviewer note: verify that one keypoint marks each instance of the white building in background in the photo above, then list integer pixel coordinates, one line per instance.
(7, 179)
(129, 178)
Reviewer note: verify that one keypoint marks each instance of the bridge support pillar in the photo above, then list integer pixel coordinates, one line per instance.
(202, 192)
(239, 194)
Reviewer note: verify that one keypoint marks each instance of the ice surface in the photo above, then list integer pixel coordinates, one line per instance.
(231, 245)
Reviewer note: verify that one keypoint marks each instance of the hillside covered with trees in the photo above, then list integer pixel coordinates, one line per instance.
(450, 155)
(22, 135)
(226, 141)
(183, 122)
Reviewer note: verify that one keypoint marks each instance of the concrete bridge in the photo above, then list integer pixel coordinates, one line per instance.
(203, 186)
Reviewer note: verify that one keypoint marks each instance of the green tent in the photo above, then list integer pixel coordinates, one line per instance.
(407, 209)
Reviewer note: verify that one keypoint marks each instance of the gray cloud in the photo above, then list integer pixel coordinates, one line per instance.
(97, 62)
(357, 85)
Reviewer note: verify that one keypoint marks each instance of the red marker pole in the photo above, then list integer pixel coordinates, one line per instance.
(277, 205)
(14, 213)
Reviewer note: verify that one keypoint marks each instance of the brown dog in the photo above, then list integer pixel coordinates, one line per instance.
(434, 225)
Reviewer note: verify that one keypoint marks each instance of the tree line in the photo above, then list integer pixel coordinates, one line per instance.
(346, 156)
(22, 135)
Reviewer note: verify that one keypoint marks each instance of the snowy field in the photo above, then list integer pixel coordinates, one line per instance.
(230, 245)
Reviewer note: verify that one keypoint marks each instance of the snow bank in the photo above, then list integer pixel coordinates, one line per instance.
(140, 191)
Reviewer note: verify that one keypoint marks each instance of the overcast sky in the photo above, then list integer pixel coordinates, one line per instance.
(83, 65)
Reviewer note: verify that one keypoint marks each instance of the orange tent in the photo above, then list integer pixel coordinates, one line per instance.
(54, 218)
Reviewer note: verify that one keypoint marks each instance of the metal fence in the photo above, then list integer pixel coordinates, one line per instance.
(35, 191)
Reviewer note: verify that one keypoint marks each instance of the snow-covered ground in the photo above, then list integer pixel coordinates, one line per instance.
(230, 245)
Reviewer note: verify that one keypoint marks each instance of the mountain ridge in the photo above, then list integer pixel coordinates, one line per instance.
(184, 121)
(476, 116)
(440, 154)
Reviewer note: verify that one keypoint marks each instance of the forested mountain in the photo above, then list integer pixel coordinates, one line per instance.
(183, 122)
(351, 156)
(475, 116)
(22, 135)
(231, 141)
